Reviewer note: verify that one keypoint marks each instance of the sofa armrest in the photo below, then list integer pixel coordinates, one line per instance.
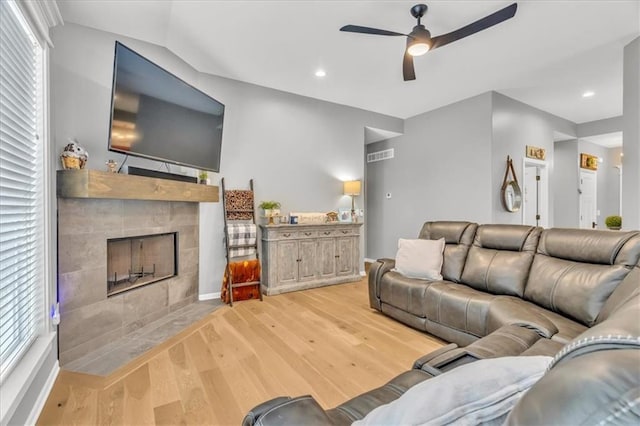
(376, 271)
(287, 411)
(505, 312)
(418, 363)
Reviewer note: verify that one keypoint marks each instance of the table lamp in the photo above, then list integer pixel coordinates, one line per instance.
(352, 188)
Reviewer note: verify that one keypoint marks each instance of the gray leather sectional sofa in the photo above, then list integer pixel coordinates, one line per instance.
(511, 290)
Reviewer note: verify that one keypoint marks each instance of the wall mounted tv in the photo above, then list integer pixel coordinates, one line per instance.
(156, 115)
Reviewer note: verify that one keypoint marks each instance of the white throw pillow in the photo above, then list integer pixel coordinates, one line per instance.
(480, 393)
(420, 258)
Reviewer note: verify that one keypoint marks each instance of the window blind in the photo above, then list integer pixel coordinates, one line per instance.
(21, 188)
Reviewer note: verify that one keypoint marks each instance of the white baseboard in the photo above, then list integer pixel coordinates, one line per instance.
(44, 394)
(209, 296)
(367, 260)
(363, 273)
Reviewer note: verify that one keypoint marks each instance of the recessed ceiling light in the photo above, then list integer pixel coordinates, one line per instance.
(588, 94)
(320, 73)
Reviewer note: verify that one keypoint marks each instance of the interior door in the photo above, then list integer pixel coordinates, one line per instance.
(531, 207)
(588, 199)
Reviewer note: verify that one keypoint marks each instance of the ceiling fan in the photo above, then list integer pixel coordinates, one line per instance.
(419, 40)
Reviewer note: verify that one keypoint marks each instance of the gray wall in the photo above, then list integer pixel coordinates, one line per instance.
(565, 177)
(298, 150)
(516, 125)
(449, 165)
(441, 171)
(631, 137)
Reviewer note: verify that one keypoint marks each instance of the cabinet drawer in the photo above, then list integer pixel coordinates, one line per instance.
(287, 234)
(343, 231)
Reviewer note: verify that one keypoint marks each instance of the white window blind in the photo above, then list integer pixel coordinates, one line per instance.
(21, 188)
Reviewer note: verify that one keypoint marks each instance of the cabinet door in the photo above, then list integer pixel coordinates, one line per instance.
(327, 257)
(307, 266)
(344, 260)
(287, 261)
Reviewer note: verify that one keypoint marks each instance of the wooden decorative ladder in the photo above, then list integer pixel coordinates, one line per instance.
(240, 214)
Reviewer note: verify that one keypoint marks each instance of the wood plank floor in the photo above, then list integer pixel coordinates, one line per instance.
(326, 342)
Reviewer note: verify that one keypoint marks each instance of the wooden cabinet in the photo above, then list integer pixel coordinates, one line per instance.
(295, 257)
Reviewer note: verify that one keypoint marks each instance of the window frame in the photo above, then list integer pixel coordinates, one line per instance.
(39, 17)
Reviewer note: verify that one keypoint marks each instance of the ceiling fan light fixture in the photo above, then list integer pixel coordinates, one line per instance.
(419, 41)
(418, 48)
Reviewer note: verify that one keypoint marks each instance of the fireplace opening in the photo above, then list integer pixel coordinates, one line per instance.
(134, 262)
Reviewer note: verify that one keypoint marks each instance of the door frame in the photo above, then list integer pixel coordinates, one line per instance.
(543, 190)
(594, 173)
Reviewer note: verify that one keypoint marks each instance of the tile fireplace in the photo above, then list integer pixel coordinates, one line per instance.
(90, 232)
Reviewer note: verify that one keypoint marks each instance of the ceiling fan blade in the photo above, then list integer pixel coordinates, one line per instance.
(408, 71)
(477, 26)
(368, 30)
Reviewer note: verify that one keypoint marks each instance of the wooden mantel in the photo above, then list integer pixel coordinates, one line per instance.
(97, 184)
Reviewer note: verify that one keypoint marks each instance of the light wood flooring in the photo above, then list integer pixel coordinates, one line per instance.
(326, 342)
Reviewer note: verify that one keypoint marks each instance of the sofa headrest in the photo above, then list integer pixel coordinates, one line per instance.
(452, 232)
(507, 237)
(590, 246)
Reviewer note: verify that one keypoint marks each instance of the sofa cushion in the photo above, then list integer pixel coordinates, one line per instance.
(627, 290)
(574, 272)
(482, 392)
(458, 306)
(574, 289)
(588, 247)
(500, 258)
(407, 294)
(420, 258)
(598, 388)
(458, 238)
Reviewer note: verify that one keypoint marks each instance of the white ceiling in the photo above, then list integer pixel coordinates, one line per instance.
(546, 56)
(609, 140)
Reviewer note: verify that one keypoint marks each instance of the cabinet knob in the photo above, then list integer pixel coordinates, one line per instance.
(345, 232)
(327, 232)
(337, 256)
(307, 233)
(286, 235)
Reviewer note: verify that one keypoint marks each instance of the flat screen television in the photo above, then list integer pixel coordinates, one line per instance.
(156, 115)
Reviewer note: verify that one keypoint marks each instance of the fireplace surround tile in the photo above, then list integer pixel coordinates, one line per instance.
(90, 319)
(88, 347)
(82, 251)
(88, 215)
(139, 304)
(81, 288)
(140, 214)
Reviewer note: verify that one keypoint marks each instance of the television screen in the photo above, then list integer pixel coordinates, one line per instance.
(156, 115)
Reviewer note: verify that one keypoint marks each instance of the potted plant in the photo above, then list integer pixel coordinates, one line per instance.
(271, 208)
(613, 222)
(203, 177)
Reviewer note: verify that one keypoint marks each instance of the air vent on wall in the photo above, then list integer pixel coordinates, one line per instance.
(380, 155)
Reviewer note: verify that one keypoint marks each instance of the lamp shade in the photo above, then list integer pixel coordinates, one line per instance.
(352, 187)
